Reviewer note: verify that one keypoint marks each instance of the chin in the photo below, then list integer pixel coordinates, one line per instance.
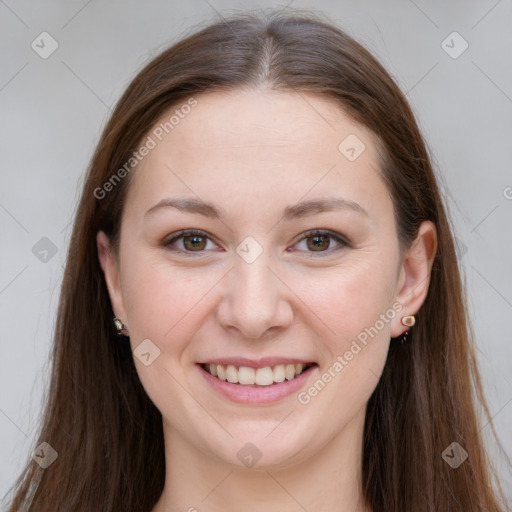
(259, 452)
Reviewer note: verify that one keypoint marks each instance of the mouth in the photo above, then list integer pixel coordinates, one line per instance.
(256, 377)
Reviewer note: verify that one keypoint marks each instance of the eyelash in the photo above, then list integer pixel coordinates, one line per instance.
(316, 232)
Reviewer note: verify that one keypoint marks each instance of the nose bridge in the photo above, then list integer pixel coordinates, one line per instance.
(254, 279)
(255, 298)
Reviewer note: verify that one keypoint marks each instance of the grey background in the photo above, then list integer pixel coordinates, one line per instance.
(53, 110)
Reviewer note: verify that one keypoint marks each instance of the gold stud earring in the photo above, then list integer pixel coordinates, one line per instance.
(408, 321)
(120, 326)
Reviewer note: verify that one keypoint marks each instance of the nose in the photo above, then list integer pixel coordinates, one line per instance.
(256, 302)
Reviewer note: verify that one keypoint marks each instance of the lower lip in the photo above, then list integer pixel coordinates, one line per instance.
(257, 395)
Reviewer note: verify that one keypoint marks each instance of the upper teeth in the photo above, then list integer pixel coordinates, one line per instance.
(260, 376)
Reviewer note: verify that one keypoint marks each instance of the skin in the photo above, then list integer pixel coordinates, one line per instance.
(253, 153)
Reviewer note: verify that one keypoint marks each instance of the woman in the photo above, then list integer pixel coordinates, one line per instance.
(262, 308)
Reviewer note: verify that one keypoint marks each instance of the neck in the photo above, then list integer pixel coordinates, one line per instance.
(329, 480)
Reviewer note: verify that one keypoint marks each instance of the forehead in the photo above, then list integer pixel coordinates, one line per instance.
(279, 120)
(271, 145)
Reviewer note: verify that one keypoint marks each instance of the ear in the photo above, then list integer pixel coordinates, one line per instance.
(110, 266)
(414, 278)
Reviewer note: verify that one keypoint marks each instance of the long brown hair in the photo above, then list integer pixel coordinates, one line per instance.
(107, 432)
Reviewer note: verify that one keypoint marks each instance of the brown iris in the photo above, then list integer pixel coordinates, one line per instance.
(320, 242)
(196, 242)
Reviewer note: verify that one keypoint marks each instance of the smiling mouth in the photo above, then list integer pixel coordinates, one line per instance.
(255, 377)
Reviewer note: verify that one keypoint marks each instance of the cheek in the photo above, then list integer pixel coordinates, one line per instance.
(165, 305)
(351, 304)
(349, 299)
(163, 302)
(357, 307)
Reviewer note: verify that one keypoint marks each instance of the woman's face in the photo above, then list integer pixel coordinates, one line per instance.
(255, 173)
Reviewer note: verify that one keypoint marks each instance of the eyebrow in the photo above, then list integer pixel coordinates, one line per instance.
(303, 209)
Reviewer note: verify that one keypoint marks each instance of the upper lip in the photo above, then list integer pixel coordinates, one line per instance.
(256, 363)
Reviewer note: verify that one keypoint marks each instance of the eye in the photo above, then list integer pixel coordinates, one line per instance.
(320, 241)
(191, 241)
